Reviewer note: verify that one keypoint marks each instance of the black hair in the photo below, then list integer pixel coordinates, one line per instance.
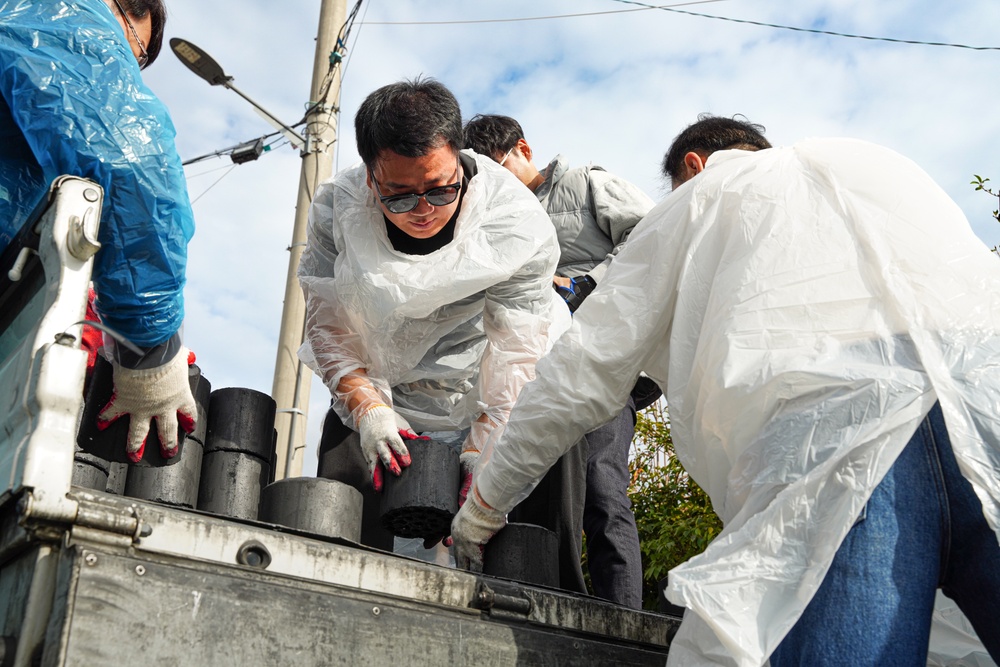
(710, 134)
(492, 135)
(157, 13)
(410, 118)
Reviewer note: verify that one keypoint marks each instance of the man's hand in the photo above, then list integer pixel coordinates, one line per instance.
(382, 441)
(575, 291)
(474, 525)
(559, 281)
(161, 393)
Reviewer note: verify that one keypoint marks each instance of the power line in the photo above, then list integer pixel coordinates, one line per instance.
(669, 8)
(210, 171)
(213, 185)
(343, 75)
(641, 7)
(229, 149)
(541, 18)
(336, 59)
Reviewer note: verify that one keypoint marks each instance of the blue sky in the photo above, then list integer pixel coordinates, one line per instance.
(612, 89)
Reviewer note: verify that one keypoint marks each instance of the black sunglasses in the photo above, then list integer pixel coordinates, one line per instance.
(439, 196)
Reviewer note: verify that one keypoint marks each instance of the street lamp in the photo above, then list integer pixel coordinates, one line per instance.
(205, 66)
(291, 377)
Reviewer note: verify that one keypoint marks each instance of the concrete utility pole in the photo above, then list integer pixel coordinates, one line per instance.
(292, 379)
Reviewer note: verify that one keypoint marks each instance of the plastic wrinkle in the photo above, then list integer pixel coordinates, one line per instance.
(72, 101)
(803, 308)
(441, 338)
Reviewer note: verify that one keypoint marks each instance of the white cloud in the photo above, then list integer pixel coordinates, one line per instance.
(611, 89)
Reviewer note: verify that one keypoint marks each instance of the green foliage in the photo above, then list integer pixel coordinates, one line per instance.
(674, 515)
(980, 184)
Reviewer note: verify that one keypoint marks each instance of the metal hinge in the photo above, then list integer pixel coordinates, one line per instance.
(92, 522)
(502, 602)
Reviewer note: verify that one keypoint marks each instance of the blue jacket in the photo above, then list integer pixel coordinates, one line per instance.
(72, 102)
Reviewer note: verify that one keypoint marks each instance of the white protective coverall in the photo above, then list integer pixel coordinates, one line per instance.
(953, 639)
(804, 307)
(444, 337)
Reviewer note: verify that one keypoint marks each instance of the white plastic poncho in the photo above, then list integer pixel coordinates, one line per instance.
(444, 337)
(954, 642)
(804, 308)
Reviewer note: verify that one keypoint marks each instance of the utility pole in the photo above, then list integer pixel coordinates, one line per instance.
(292, 379)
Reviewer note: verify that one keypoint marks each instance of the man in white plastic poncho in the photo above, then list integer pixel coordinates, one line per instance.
(827, 329)
(427, 280)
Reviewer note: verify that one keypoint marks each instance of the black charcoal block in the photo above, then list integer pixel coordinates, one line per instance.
(318, 506)
(342, 460)
(423, 500)
(231, 483)
(241, 420)
(175, 485)
(524, 552)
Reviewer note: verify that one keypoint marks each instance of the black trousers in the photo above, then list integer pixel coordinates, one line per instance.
(557, 504)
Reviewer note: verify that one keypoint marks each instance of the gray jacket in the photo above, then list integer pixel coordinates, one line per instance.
(593, 213)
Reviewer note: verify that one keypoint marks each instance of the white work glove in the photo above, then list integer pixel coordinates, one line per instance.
(382, 433)
(161, 393)
(474, 525)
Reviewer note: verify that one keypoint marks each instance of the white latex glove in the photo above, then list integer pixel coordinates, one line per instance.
(382, 440)
(161, 393)
(474, 525)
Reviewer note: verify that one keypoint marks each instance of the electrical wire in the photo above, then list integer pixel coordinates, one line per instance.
(542, 18)
(815, 31)
(673, 8)
(228, 150)
(233, 166)
(340, 49)
(111, 332)
(343, 74)
(314, 127)
(210, 171)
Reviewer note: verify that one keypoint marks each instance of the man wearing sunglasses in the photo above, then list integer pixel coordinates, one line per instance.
(118, 134)
(427, 279)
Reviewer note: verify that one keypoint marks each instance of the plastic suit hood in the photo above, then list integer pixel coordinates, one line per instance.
(72, 102)
(444, 337)
(804, 308)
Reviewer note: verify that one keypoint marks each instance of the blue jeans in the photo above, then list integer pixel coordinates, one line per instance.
(922, 529)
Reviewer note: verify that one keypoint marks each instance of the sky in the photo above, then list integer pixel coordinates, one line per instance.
(612, 88)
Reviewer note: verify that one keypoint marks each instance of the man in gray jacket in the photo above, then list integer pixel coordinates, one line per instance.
(593, 213)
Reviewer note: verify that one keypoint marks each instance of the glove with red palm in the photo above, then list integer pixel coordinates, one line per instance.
(382, 434)
(162, 393)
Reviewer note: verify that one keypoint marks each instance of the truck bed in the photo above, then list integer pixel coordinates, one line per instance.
(197, 589)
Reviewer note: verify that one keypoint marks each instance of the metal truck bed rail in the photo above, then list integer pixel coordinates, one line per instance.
(182, 587)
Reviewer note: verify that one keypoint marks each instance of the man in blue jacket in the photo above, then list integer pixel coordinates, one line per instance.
(72, 101)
